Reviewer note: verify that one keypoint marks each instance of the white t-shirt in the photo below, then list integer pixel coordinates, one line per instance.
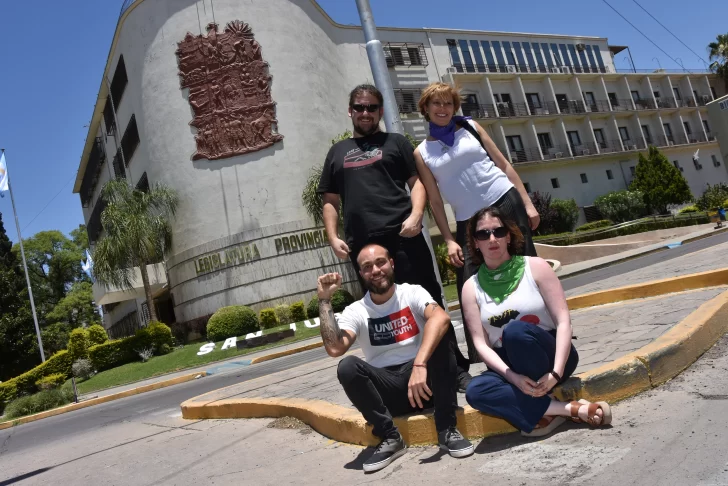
(524, 304)
(391, 333)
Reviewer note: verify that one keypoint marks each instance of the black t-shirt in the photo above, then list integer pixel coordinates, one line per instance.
(370, 176)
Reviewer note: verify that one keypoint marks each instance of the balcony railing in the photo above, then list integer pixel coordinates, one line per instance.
(609, 146)
(521, 68)
(697, 138)
(574, 106)
(671, 140)
(407, 99)
(403, 54)
(555, 152)
(93, 227)
(711, 136)
(544, 108)
(704, 100)
(666, 102)
(511, 109)
(645, 104)
(598, 106)
(479, 111)
(96, 160)
(526, 154)
(663, 71)
(622, 105)
(119, 171)
(584, 149)
(630, 144)
(684, 103)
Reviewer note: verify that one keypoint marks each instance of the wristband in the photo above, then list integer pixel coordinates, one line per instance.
(420, 365)
(556, 375)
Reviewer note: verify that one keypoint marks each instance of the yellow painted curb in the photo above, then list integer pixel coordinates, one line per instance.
(287, 352)
(664, 286)
(96, 401)
(629, 375)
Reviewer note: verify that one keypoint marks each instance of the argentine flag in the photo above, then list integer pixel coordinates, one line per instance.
(88, 265)
(3, 175)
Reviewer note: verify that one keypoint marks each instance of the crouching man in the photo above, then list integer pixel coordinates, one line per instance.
(410, 355)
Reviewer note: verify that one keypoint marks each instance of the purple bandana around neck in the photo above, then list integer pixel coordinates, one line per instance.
(446, 134)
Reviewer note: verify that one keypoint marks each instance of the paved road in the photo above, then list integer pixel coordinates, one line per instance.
(167, 400)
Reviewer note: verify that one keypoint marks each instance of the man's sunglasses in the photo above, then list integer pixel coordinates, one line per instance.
(484, 234)
(369, 108)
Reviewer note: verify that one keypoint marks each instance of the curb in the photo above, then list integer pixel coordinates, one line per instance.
(97, 401)
(641, 370)
(287, 352)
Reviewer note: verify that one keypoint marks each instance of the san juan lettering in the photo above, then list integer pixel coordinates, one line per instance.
(302, 241)
(231, 257)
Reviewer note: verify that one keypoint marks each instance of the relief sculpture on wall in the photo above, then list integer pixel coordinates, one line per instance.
(229, 92)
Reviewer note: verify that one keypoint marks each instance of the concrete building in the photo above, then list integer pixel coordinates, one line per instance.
(568, 120)
(718, 118)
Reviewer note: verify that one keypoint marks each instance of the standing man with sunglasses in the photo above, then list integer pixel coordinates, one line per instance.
(367, 175)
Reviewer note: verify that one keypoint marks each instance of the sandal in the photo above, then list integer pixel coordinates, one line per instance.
(591, 412)
(545, 426)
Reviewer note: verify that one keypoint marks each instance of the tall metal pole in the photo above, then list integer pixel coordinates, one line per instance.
(379, 68)
(25, 265)
(391, 111)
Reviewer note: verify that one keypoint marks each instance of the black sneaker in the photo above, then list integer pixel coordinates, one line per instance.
(464, 380)
(454, 443)
(387, 451)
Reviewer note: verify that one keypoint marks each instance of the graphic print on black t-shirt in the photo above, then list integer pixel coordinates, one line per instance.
(359, 157)
(393, 328)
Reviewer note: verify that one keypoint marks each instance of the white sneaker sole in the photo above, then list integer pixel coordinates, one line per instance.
(382, 464)
(459, 453)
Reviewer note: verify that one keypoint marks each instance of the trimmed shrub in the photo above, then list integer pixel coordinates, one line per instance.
(25, 384)
(340, 300)
(621, 206)
(164, 349)
(283, 312)
(51, 381)
(268, 318)
(567, 214)
(689, 209)
(97, 335)
(44, 400)
(602, 223)
(232, 321)
(159, 335)
(83, 369)
(78, 343)
(712, 197)
(298, 311)
(312, 310)
(112, 353)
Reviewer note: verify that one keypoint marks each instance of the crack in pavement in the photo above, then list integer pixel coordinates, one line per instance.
(4, 447)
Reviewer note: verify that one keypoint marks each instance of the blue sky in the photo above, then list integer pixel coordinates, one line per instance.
(51, 61)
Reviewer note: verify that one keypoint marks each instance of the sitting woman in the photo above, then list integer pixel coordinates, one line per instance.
(516, 311)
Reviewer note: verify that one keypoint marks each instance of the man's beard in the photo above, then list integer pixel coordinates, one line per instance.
(364, 133)
(383, 288)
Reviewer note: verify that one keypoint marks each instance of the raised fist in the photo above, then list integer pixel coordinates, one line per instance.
(328, 284)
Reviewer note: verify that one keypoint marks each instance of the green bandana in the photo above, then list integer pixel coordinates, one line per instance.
(501, 282)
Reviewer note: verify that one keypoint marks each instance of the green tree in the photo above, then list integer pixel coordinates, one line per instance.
(76, 308)
(621, 206)
(661, 183)
(718, 54)
(713, 197)
(18, 344)
(137, 233)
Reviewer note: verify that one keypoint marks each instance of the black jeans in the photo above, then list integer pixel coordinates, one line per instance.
(381, 393)
(413, 265)
(511, 206)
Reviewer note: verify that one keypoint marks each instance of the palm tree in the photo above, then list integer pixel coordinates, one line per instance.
(137, 234)
(718, 53)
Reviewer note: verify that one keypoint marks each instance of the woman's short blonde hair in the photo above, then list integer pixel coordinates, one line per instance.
(438, 90)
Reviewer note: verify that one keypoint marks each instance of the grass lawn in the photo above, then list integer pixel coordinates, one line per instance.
(180, 359)
(451, 292)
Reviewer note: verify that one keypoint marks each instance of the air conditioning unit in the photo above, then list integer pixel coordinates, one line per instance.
(510, 68)
(585, 152)
(632, 147)
(566, 70)
(580, 47)
(542, 111)
(706, 99)
(452, 69)
(555, 70)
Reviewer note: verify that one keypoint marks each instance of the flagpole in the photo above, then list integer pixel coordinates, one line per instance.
(25, 265)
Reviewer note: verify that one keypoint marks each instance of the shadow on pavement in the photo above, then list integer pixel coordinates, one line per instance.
(25, 476)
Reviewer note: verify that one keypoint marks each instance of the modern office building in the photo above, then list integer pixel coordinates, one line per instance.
(232, 103)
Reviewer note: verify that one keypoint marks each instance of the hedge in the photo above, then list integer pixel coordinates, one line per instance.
(312, 310)
(97, 335)
(689, 209)
(339, 301)
(602, 223)
(232, 321)
(113, 353)
(160, 335)
(51, 381)
(268, 318)
(25, 384)
(567, 214)
(283, 312)
(78, 343)
(298, 311)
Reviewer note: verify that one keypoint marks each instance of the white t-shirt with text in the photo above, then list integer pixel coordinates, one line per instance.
(391, 333)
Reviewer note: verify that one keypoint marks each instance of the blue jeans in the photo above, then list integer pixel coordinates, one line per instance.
(530, 351)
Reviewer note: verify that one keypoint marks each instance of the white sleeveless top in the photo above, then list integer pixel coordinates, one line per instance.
(524, 304)
(467, 177)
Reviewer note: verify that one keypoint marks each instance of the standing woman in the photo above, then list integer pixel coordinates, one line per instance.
(471, 175)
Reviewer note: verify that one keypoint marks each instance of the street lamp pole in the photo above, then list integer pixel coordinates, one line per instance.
(379, 68)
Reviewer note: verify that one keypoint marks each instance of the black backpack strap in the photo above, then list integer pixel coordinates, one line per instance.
(472, 131)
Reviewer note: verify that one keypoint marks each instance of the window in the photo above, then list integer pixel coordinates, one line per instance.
(529, 57)
(414, 56)
(514, 142)
(143, 183)
(509, 54)
(565, 55)
(488, 56)
(656, 93)
(610, 176)
(636, 96)
(574, 138)
(572, 51)
(613, 99)
(716, 162)
(109, 117)
(454, 55)
(469, 105)
(589, 98)
(527, 186)
(631, 171)
(646, 133)
(599, 136)
(544, 141)
(498, 53)
(407, 100)
(467, 60)
(534, 101)
(624, 134)
(668, 131)
(688, 131)
(118, 83)
(479, 66)
(555, 183)
(519, 55)
(598, 54)
(547, 55)
(394, 56)
(557, 56)
(706, 126)
(677, 94)
(592, 61)
(130, 140)
(712, 92)
(584, 180)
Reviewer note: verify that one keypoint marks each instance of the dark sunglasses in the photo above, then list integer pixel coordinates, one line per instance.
(484, 234)
(369, 108)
